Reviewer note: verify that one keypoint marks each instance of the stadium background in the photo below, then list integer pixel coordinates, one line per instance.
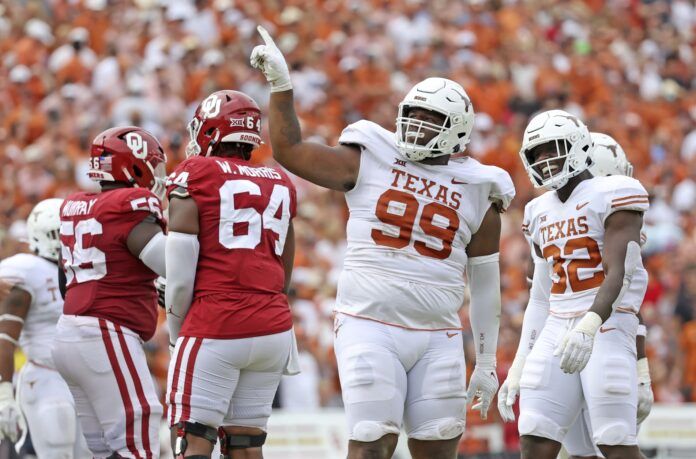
(69, 69)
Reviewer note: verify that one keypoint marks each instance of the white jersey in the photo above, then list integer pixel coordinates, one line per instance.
(571, 238)
(38, 277)
(408, 230)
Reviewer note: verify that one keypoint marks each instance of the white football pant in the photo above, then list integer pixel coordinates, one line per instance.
(105, 367)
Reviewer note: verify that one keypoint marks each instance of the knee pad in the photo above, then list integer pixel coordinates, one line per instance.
(367, 431)
(192, 428)
(612, 433)
(236, 441)
(533, 423)
(438, 429)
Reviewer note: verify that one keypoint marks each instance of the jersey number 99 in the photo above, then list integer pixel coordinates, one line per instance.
(400, 209)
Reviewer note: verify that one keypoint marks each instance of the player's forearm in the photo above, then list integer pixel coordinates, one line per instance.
(284, 127)
(484, 311)
(607, 294)
(6, 361)
(288, 256)
(640, 338)
(181, 259)
(640, 347)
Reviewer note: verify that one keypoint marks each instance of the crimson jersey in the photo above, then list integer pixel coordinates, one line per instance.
(244, 213)
(104, 279)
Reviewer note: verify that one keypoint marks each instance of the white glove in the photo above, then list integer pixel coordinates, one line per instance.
(576, 347)
(271, 62)
(11, 418)
(645, 393)
(510, 389)
(483, 383)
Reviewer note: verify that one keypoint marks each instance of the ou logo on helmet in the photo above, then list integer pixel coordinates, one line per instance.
(211, 106)
(137, 145)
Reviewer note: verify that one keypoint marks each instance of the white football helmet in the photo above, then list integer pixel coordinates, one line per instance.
(573, 145)
(439, 95)
(608, 158)
(43, 228)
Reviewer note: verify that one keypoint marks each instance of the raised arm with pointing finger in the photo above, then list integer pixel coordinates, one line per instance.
(331, 167)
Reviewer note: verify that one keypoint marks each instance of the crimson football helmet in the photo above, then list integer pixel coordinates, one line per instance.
(224, 116)
(131, 155)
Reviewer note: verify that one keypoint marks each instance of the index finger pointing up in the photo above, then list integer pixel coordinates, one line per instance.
(265, 35)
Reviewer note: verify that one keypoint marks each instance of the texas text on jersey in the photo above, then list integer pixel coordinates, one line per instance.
(104, 279)
(571, 236)
(244, 213)
(411, 222)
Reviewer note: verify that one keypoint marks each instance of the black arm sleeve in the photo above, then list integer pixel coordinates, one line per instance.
(62, 281)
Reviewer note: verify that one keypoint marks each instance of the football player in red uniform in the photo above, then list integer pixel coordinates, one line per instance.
(230, 251)
(112, 251)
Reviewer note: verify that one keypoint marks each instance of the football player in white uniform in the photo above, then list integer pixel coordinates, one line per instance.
(589, 280)
(28, 318)
(608, 158)
(417, 222)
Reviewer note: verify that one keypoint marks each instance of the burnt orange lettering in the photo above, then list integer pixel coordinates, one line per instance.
(397, 174)
(442, 194)
(409, 183)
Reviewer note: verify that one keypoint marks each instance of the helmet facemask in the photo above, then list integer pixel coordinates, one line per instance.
(552, 171)
(444, 140)
(159, 187)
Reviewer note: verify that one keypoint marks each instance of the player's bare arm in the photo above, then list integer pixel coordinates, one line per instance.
(621, 228)
(330, 167)
(288, 256)
(486, 240)
(640, 340)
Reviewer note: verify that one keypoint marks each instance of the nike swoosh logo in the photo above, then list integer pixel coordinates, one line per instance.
(457, 182)
(580, 206)
(604, 330)
(451, 335)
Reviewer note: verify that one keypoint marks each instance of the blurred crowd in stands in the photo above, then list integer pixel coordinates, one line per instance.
(71, 68)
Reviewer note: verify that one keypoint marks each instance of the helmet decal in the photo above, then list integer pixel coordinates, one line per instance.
(211, 106)
(137, 145)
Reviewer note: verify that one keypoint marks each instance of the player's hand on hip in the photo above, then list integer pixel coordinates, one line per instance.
(645, 393)
(483, 384)
(11, 418)
(270, 60)
(575, 348)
